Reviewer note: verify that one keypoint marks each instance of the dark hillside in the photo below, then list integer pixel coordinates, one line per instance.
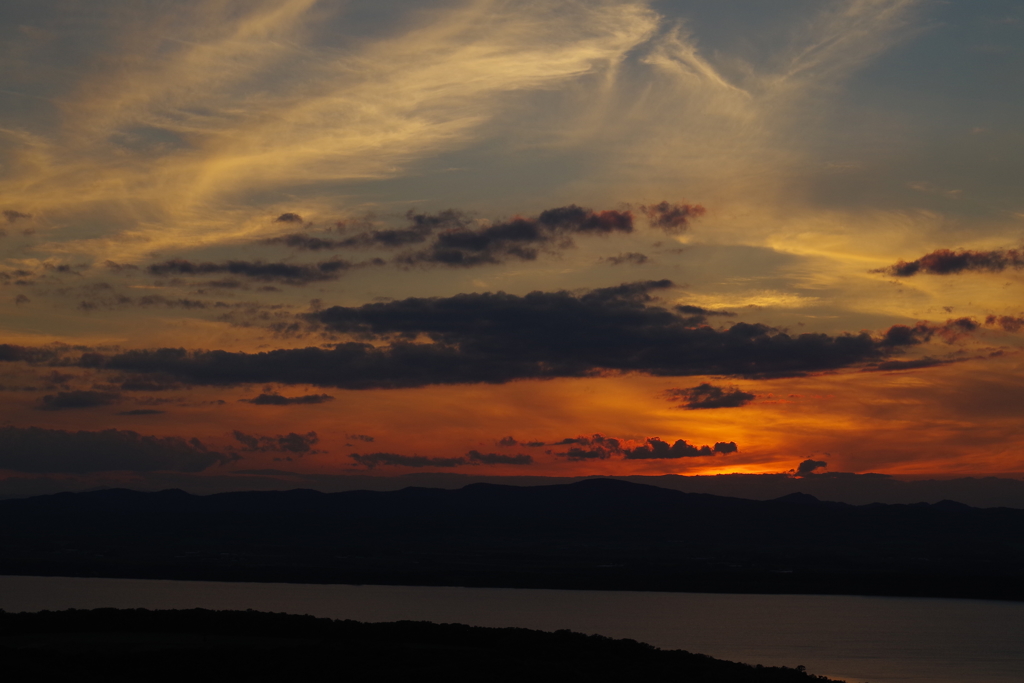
(175, 645)
(602, 533)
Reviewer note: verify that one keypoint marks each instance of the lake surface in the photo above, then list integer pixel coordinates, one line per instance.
(859, 639)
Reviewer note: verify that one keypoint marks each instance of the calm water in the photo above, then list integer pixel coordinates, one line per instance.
(880, 640)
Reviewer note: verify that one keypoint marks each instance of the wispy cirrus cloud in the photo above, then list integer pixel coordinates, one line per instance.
(160, 146)
(843, 36)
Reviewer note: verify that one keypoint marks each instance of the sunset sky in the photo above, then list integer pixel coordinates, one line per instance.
(510, 237)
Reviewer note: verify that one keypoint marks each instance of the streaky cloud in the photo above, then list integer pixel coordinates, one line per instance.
(633, 258)
(68, 400)
(707, 396)
(299, 444)
(478, 458)
(373, 460)
(278, 400)
(949, 262)
(1008, 323)
(916, 364)
(287, 273)
(14, 216)
(38, 450)
(672, 218)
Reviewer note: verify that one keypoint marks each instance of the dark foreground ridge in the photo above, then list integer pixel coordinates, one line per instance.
(176, 645)
(595, 534)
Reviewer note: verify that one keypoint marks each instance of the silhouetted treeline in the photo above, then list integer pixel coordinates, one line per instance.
(594, 534)
(176, 645)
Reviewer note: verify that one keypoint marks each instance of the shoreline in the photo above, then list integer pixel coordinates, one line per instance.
(962, 588)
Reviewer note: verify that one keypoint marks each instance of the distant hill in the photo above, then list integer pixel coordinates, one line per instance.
(856, 489)
(597, 533)
(176, 645)
(841, 487)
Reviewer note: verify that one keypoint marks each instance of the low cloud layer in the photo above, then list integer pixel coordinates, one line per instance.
(810, 467)
(50, 451)
(949, 262)
(601, 447)
(656, 449)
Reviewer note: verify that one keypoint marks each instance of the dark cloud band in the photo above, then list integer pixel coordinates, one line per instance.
(450, 238)
(520, 238)
(949, 262)
(496, 338)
